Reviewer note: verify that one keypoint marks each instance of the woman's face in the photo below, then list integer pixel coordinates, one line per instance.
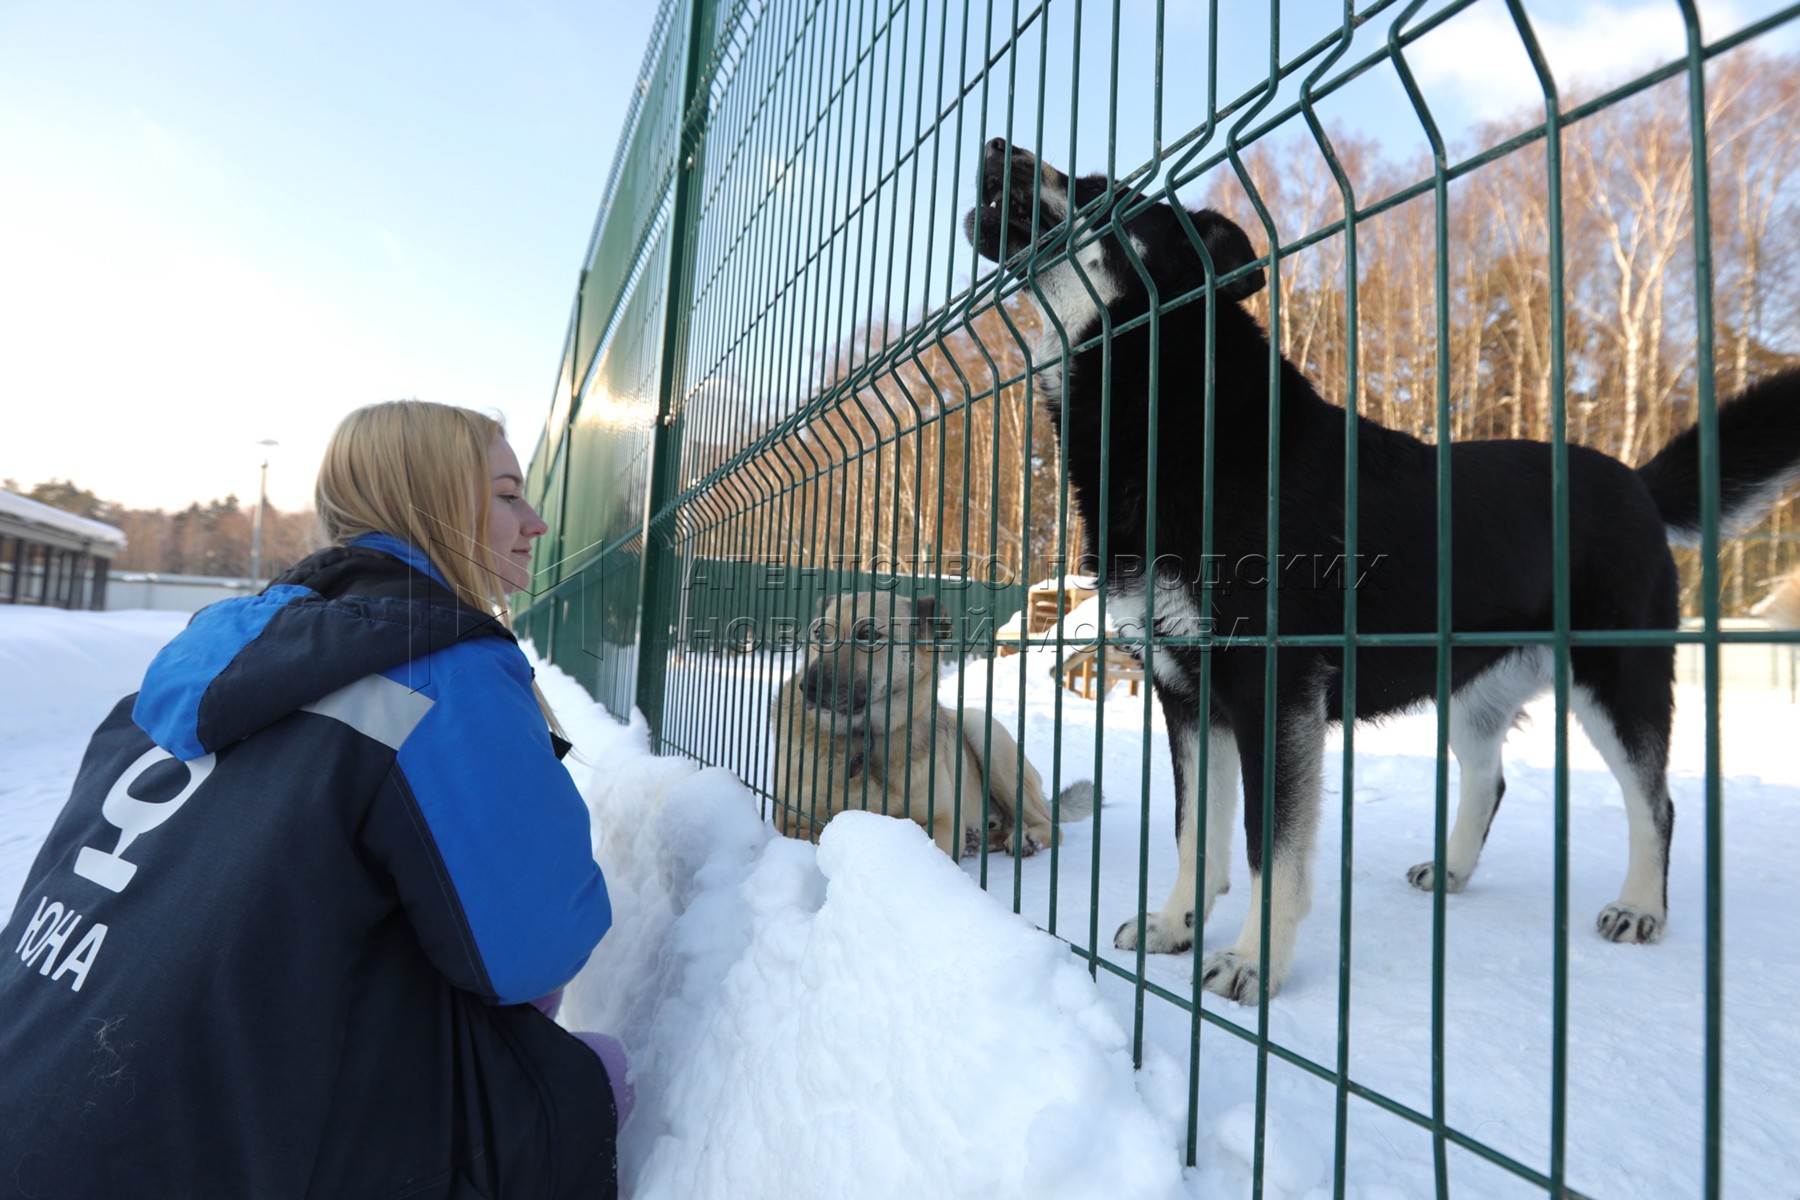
(512, 523)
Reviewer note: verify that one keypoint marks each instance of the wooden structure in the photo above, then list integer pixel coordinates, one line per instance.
(1080, 672)
(1781, 607)
(1041, 612)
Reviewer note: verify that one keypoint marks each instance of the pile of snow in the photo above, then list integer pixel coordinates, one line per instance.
(858, 1018)
(1637, 1025)
(1067, 583)
(1079, 626)
(66, 669)
(1082, 624)
(60, 674)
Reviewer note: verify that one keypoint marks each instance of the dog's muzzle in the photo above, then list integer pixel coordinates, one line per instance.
(826, 688)
(1010, 178)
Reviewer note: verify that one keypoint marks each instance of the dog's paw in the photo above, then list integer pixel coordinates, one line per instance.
(1001, 842)
(1424, 876)
(1623, 923)
(971, 841)
(1161, 936)
(1233, 976)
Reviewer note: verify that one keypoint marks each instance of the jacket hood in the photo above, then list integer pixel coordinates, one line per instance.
(340, 615)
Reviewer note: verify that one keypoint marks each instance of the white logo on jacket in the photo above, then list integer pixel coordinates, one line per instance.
(133, 816)
(54, 923)
(49, 929)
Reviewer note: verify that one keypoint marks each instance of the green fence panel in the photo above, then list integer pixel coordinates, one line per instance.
(787, 376)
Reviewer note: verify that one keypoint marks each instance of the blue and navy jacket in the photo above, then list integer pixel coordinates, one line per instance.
(280, 940)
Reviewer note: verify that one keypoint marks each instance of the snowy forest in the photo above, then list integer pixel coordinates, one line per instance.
(913, 459)
(214, 538)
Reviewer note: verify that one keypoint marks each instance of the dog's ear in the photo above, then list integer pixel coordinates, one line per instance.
(1230, 249)
(924, 617)
(927, 625)
(819, 612)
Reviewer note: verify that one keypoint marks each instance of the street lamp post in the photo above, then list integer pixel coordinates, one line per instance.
(262, 502)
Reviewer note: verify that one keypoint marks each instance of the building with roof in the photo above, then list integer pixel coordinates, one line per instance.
(51, 557)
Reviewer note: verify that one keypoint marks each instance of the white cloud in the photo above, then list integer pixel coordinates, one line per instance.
(1478, 55)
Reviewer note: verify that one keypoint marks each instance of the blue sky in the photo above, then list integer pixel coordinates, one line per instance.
(223, 222)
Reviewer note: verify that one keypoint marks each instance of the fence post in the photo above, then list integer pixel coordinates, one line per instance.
(660, 571)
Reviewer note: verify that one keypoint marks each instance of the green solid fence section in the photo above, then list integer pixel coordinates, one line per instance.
(733, 604)
(592, 467)
(787, 376)
(636, 192)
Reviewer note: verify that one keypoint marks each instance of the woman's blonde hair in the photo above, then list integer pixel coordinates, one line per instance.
(418, 471)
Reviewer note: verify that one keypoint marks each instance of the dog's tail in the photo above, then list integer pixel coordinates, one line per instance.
(1759, 458)
(1076, 802)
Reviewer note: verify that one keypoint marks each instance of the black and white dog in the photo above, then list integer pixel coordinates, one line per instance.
(1621, 574)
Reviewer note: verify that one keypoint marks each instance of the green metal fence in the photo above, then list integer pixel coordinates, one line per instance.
(786, 374)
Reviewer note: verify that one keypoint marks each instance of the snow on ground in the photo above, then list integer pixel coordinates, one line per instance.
(60, 674)
(1636, 1023)
(861, 1019)
(1636, 1039)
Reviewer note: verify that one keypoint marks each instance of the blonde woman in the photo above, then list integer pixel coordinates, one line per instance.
(286, 936)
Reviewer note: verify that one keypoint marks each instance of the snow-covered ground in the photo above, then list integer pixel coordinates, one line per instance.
(861, 1019)
(60, 674)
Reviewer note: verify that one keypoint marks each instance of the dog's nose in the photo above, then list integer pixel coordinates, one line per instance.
(813, 683)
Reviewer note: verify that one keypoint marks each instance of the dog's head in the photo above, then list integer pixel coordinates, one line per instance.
(863, 650)
(1025, 206)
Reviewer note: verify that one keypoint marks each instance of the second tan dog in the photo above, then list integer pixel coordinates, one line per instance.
(859, 725)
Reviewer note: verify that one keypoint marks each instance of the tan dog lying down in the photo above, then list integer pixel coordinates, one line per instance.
(859, 726)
